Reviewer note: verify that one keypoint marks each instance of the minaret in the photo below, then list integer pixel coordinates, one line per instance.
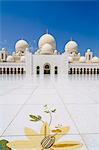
(64, 64)
(46, 31)
(88, 55)
(29, 62)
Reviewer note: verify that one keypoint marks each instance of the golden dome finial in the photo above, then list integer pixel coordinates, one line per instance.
(71, 39)
(46, 31)
(22, 38)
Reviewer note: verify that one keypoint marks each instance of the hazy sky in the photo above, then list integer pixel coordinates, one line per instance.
(30, 19)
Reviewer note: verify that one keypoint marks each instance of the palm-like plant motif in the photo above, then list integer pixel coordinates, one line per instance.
(46, 138)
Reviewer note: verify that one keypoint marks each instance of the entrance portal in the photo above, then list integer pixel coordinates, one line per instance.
(47, 69)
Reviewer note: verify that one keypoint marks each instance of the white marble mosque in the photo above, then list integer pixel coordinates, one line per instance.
(47, 59)
(75, 97)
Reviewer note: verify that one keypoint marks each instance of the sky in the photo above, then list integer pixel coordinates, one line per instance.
(29, 20)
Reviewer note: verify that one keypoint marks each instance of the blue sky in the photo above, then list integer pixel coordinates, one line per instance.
(64, 19)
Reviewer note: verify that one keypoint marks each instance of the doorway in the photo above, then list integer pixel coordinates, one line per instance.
(47, 69)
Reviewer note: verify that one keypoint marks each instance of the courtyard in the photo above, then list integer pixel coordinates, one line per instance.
(75, 98)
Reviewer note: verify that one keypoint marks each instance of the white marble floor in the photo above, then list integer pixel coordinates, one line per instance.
(76, 99)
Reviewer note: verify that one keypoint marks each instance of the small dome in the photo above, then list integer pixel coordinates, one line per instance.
(88, 50)
(82, 59)
(22, 59)
(46, 49)
(36, 53)
(55, 52)
(10, 58)
(4, 49)
(47, 39)
(71, 47)
(21, 46)
(78, 54)
(70, 59)
(13, 53)
(95, 59)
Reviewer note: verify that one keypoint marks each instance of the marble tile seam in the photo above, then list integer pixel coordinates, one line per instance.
(21, 107)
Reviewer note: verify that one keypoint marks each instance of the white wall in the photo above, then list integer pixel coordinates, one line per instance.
(53, 60)
(83, 65)
(12, 65)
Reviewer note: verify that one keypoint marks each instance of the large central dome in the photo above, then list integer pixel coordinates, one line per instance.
(47, 39)
(46, 49)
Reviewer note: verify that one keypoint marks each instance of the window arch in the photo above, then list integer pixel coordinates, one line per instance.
(38, 67)
(14, 70)
(2, 56)
(70, 71)
(38, 70)
(84, 70)
(77, 70)
(91, 70)
(47, 66)
(89, 57)
(80, 70)
(56, 70)
(94, 70)
(4, 70)
(74, 71)
(22, 70)
(87, 70)
(7, 70)
(0, 70)
(18, 70)
(97, 70)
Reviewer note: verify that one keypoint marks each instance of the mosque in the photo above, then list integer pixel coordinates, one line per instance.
(47, 59)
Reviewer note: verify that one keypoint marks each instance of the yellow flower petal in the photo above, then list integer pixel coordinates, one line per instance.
(45, 130)
(64, 130)
(23, 145)
(29, 131)
(32, 135)
(67, 145)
